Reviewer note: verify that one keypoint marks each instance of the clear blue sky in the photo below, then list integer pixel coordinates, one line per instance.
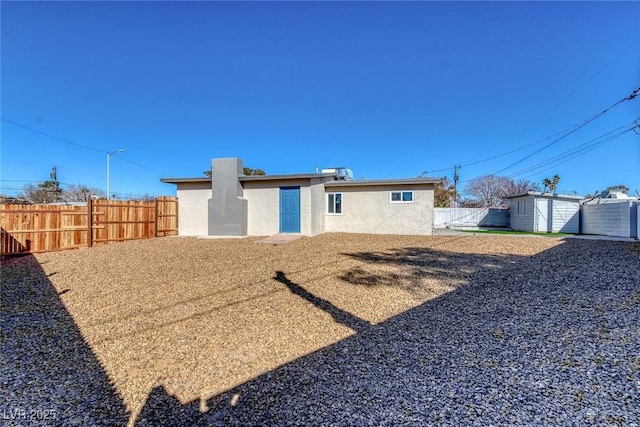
(387, 89)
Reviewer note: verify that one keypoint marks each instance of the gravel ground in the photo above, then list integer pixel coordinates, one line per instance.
(337, 329)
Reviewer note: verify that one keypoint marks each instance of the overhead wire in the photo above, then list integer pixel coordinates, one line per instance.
(565, 133)
(80, 145)
(578, 150)
(52, 136)
(575, 151)
(573, 130)
(563, 100)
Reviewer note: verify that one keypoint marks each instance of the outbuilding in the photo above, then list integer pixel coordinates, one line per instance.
(231, 204)
(545, 212)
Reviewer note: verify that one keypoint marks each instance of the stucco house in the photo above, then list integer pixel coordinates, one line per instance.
(545, 212)
(231, 204)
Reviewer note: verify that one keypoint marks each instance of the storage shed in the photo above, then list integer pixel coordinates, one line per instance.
(545, 212)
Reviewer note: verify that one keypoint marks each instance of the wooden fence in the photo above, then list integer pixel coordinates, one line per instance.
(45, 228)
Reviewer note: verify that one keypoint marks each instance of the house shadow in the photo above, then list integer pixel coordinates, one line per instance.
(10, 245)
(549, 339)
(50, 375)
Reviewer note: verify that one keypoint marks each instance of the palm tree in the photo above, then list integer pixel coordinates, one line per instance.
(551, 184)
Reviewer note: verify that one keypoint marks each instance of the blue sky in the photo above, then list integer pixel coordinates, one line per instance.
(387, 89)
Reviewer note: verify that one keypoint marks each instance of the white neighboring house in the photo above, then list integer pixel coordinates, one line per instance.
(545, 212)
(231, 204)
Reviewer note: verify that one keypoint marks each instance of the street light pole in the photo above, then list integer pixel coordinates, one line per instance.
(119, 150)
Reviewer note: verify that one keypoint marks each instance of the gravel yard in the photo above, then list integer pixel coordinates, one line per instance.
(336, 329)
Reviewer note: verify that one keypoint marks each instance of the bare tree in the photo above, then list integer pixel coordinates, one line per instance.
(521, 186)
(82, 193)
(492, 190)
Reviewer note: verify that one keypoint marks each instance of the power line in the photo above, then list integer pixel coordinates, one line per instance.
(52, 136)
(79, 145)
(625, 50)
(586, 151)
(569, 131)
(577, 151)
(580, 126)
(140, 166)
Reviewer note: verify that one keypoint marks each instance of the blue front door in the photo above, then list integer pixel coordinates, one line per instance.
(289, 209)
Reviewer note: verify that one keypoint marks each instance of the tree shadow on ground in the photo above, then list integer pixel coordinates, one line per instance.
(551, 339)
(50, 375)
(417, 269)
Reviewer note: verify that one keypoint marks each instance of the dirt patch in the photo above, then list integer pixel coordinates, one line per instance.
(199, 317)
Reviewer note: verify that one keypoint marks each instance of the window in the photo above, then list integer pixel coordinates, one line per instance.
(334, 205)
(401, 197)
(521, 207)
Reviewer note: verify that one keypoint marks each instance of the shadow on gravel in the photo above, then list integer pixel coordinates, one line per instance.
(552, 339)
(347, 319)
(418, 266)
(50, 375)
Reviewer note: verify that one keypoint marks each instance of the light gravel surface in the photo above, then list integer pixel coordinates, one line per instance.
(337, 329)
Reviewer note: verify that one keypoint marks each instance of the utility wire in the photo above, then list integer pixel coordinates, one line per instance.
(52, 136)
(584, 151)
(586, 82)
(139, 165)
(81, 145)
(578, 150)
(580, 126)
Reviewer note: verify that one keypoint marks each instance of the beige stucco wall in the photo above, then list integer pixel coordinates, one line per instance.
(367, 209)
(318, 205)
(192, 208)
(264, 206)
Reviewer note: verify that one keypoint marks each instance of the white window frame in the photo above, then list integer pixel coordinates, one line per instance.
(341, 204)
(522, 207)
(413, 196)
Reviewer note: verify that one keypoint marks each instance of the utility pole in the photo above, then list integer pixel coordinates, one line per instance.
(455, 185)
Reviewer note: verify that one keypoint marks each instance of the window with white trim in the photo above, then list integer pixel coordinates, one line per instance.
(401, 197)
(521, 207)
(334, 203)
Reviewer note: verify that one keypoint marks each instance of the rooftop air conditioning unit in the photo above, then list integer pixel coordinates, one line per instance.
(341, 172)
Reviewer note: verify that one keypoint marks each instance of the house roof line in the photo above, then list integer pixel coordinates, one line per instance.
(243, 178)
(538, 193)
(338, 183)
(400, 181)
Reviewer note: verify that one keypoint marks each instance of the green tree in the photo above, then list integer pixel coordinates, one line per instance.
(45, 192)
(443, 193)
(245, 171)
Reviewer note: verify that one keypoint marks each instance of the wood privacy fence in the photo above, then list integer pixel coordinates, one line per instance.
(45, 228)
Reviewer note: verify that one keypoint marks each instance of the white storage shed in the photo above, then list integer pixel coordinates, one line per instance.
(545, 212)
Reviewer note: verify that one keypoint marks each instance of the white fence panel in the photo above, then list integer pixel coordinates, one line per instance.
(470, 217)
(619, 219)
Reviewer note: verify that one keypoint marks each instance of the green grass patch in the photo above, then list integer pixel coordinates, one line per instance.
(516, 232)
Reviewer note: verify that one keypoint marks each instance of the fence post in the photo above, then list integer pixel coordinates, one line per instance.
(90, 222)
(156, 215)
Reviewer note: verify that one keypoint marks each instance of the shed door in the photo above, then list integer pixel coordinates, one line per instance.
(289, 209)
(542, 215)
